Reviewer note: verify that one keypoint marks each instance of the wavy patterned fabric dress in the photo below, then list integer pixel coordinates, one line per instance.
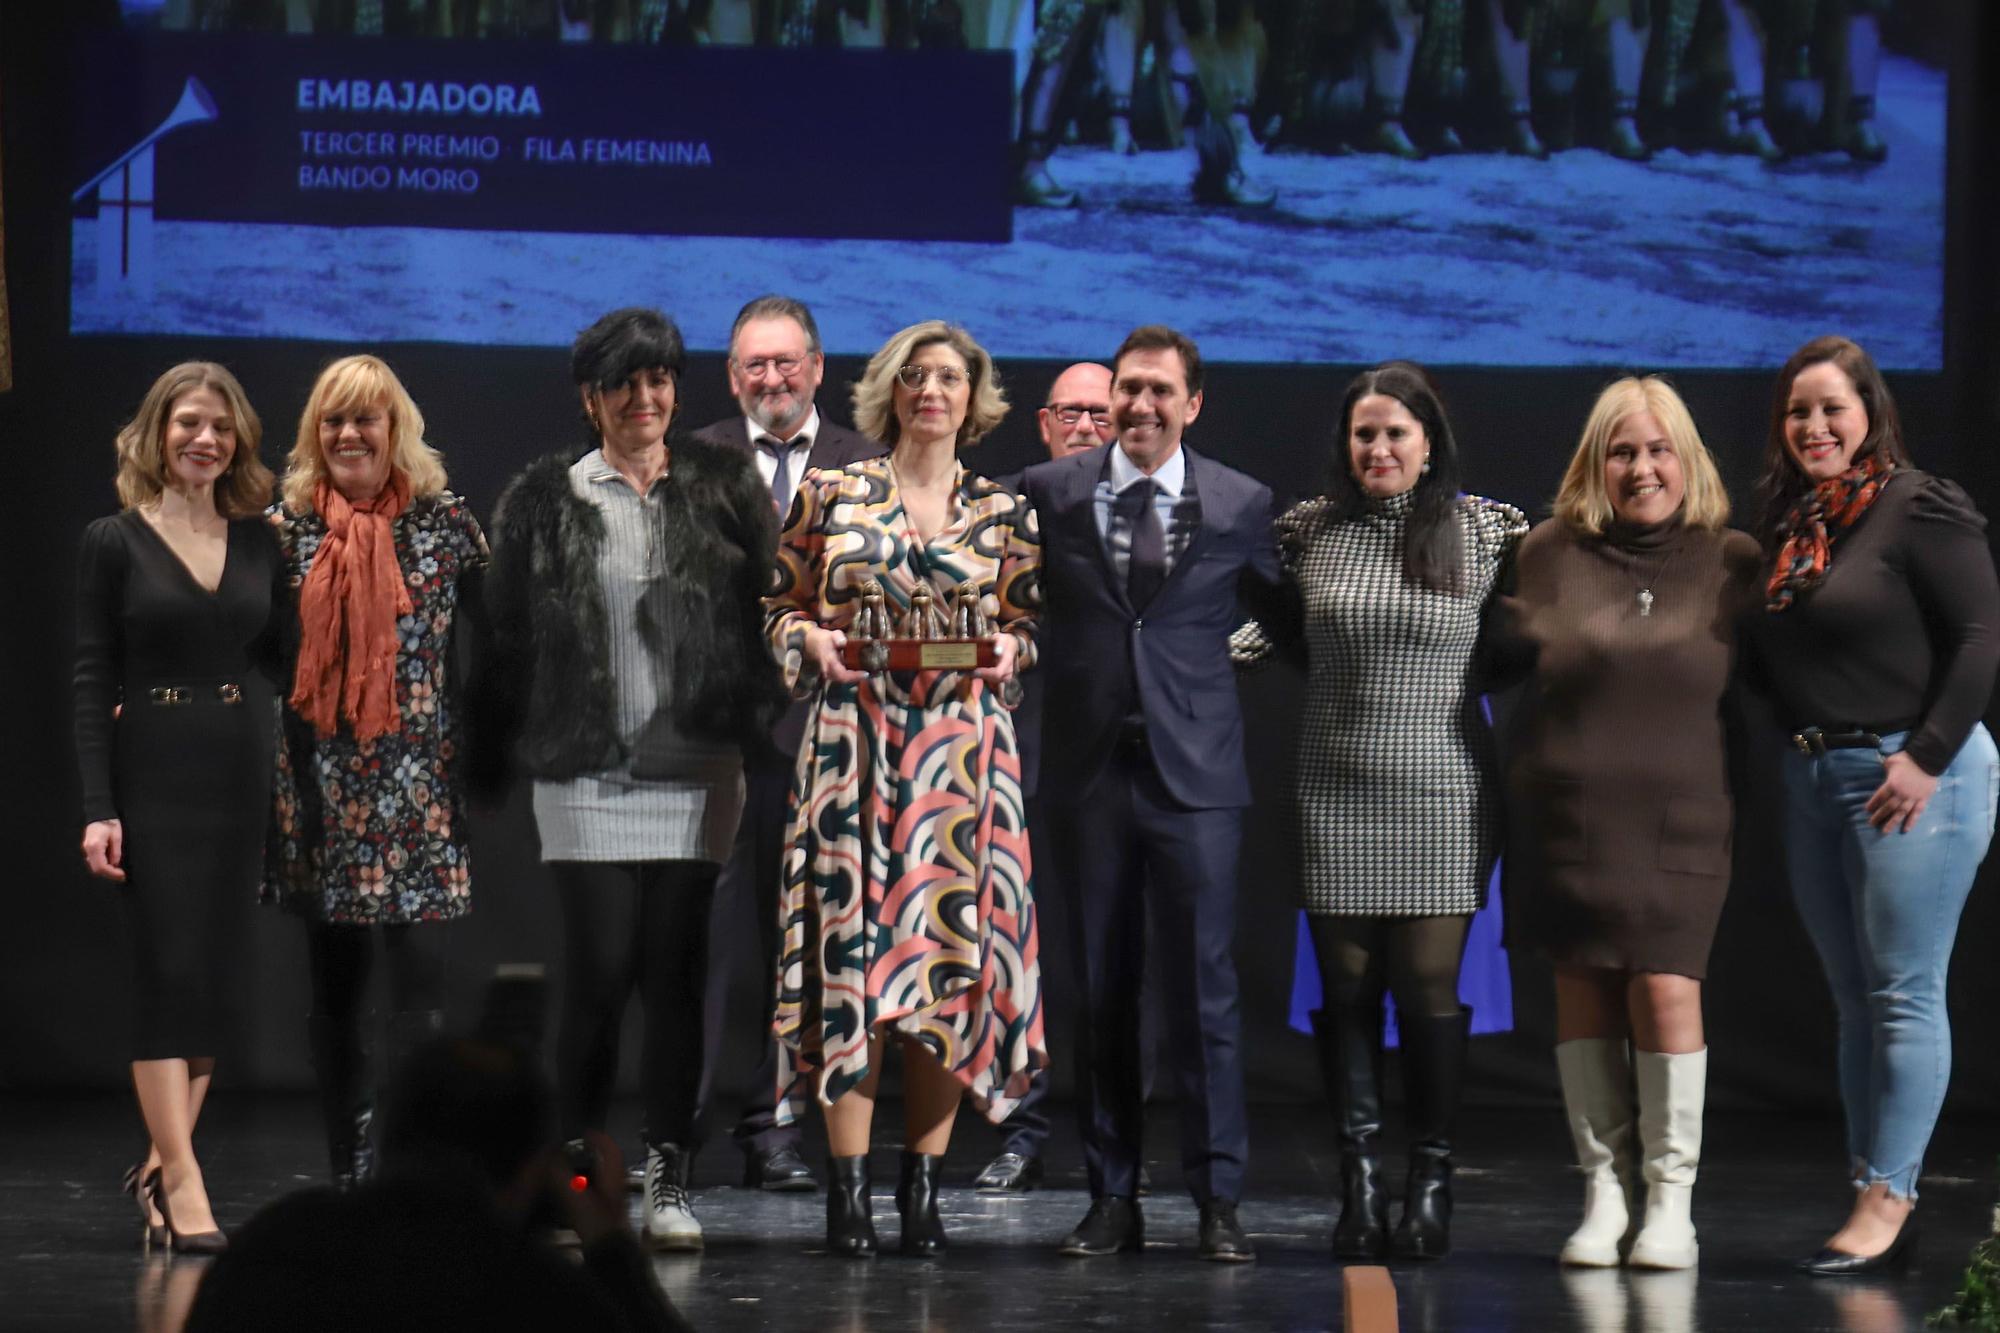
(906, 903)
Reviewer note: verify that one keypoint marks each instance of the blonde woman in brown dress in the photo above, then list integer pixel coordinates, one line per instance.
(1618, 800)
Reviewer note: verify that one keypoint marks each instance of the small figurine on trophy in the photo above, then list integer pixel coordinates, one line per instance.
(968, 616)
(871, 628)
(925, 639)
(924, 621)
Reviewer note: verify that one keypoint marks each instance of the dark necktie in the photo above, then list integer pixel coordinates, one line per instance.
(782, 486)
(1148, 567)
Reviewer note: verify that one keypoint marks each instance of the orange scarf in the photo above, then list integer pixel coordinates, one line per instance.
(347, 615)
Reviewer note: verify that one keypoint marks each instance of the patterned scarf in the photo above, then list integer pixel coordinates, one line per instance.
(347, 615)
(1806, 533)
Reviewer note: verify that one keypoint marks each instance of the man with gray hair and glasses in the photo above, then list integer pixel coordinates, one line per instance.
(775, 367)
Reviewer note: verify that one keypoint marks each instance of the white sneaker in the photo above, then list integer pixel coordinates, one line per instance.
(670, 1220)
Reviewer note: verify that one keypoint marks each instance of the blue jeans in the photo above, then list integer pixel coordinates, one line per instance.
(1882, 909)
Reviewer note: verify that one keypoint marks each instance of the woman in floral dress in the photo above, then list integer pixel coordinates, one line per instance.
(906, 905)
(368, 828)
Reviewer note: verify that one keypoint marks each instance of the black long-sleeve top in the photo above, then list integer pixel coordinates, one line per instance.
(1902, 632)
(142, 620)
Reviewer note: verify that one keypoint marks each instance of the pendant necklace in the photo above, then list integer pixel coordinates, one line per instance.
(1645, 587)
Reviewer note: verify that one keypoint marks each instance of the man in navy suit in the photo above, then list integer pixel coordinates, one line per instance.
(1076, 419)
(1144, 547)
(775, 367)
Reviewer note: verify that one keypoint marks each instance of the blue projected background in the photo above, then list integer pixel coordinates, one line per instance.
(381, 189)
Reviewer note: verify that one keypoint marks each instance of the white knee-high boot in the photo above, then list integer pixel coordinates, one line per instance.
(1671, 1091)
(1596, 1077)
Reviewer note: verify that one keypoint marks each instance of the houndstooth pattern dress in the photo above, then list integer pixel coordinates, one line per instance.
(1397, 782)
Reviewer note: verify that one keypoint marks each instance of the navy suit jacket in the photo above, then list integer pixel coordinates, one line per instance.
(1099, 653)
(834, 447)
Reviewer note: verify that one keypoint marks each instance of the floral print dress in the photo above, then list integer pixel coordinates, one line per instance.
(906, 904)
(371, 832)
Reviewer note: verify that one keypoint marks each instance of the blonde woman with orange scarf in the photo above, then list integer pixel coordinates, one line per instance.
(369, 829)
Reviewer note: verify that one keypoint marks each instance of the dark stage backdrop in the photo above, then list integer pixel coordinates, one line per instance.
(64, 947)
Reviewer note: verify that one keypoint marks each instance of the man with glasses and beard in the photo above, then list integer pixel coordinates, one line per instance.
(775, 366)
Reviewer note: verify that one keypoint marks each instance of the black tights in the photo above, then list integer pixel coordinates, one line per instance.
(630, 924)
(1415, 958)
(341, 959)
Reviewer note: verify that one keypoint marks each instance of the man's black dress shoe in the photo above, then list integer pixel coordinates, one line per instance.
(1111, 1225)
(781, 1171)
(1222, 1237)
(1829, 1262)
(1009, 1173)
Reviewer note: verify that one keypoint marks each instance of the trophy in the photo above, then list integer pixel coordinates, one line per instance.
(927, 639)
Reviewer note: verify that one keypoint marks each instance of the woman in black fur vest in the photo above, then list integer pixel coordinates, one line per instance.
(628, 675)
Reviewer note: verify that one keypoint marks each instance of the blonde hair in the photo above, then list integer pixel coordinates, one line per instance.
(349, 383)
(244, 487)
(1583, 503)
(875, 391)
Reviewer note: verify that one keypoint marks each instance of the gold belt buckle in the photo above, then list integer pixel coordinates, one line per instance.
(169, 695)
(229, 694)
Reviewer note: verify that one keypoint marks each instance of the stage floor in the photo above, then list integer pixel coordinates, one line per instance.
(1770, 1190)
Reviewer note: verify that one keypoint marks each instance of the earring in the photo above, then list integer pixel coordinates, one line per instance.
(1427, 463)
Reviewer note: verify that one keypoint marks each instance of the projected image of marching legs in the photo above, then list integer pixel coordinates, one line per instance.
(1742, 129)
(1063, 28)
(1510, 61)
(1863, 42)
(1226, 43)
(1626, 33)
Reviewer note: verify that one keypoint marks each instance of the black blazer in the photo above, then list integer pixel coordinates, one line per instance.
(834, 447)
(1099, 655)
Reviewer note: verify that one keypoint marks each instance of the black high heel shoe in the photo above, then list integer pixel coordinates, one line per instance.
(134, 1185)
(200, 1242)
(1829, 1262)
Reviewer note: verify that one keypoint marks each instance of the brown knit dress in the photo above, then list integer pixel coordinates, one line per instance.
(1618, 807)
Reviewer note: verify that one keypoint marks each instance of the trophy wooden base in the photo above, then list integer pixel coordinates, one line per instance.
(917, 654)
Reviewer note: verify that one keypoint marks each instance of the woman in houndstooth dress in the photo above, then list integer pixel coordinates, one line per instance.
(1398, 801)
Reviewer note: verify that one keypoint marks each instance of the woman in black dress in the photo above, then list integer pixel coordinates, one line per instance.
(173, 735)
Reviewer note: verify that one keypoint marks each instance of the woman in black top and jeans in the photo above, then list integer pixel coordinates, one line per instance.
(1879, 640)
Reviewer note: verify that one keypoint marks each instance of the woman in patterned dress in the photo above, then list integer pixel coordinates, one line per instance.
(1398, 802)
(906, 905)
(368, 829)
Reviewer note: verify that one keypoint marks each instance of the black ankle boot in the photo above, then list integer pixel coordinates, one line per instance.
(1350, 1050)
(917, 1201)
(1433, 1069)
(347, 1110)
(850, 1219)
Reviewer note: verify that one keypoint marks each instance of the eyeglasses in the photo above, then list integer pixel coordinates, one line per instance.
(1069, 415)
(786, 366)
(913, 377)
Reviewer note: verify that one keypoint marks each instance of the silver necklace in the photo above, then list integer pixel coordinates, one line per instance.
(1645, 586)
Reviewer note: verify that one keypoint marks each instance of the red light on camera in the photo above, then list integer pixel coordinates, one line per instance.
(579, 1183)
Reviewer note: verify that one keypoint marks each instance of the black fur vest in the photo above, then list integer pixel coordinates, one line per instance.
(548, 698)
